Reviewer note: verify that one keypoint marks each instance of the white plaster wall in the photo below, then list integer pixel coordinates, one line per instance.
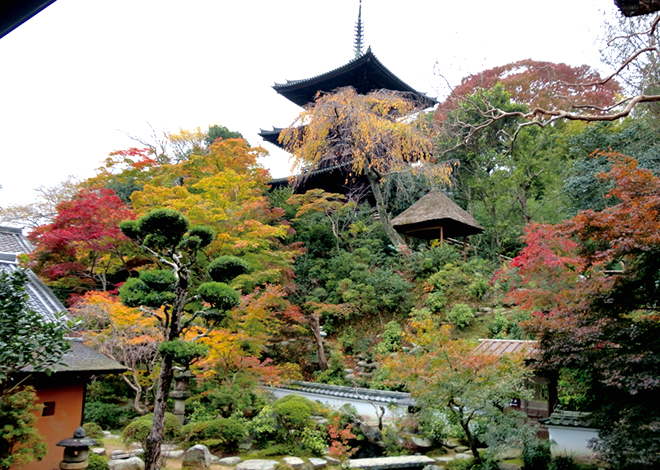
(364, 408)
(571, 441)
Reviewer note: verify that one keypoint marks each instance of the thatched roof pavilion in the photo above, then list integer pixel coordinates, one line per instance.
(435, 216)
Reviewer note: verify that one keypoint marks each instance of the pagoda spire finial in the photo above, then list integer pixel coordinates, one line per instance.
(359, 34)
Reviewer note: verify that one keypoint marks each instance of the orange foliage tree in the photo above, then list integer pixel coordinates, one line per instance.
(537, 84)
(126, 335)
(450, 377)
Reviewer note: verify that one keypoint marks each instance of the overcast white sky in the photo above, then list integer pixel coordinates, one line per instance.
(81, 74)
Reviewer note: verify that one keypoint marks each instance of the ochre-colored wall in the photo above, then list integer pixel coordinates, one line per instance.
(68, 412)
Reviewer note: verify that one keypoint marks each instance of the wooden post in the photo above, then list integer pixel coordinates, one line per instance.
(464, 246)
(442, 236)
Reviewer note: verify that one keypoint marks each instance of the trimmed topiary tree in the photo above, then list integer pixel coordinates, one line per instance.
(165, 236)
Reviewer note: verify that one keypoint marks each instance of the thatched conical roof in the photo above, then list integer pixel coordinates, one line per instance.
(424, 219)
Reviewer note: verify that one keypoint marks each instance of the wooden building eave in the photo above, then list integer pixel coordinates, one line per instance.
(365, 74)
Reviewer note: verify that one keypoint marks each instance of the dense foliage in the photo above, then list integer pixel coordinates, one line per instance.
(216, 274)
(592, 285)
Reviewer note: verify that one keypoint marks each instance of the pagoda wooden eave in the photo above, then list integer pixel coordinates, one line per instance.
(332, 179)
(272, 136)
(365, 74)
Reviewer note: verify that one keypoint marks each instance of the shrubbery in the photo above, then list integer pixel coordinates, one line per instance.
(222, 434)
(96, 462)
(314, 441)
(536, 455)
(460, 316)
(138, 429)
(391, 339)
(93, 430)
(293, 412)
(108, 415)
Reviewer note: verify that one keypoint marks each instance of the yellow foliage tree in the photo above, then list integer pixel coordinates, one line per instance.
(225, 189)
(235, 348)
(377, 133)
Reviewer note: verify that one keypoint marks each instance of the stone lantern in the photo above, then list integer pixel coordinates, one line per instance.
(76, 450)
(181, 393)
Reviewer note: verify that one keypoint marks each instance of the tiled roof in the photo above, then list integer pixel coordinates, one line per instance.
(499, 347)
(380, 396)
(575, 419)
(42, 300)
(13, 241)
(302, 91)
(80, 358)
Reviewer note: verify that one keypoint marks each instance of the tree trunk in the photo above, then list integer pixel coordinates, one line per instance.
(472, 443)
(137, 388)
(155, 437)
(394, 237)
(315, 324)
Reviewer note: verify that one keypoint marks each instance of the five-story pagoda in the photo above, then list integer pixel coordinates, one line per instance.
(365, 73)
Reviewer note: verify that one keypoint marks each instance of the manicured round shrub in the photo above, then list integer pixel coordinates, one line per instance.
(135, 292)
(221, 296)
(138, 429)
(222, 434)
(293, 411)
(226, 268)
(183, 352)
(160, 280)
(163, 227)
(205, 234)
(93, 430)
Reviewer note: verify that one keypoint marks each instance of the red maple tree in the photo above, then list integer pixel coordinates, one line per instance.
(83, 246)
(593, 284)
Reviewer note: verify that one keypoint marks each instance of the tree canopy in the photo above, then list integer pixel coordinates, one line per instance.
(591, 282)
(374, 134)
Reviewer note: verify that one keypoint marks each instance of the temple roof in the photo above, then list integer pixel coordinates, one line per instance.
(80, 358)
(272, 136)
(13, 241)
(380, 396)
(499, 347)
(365, 74)
(424, 219)
(41, 299)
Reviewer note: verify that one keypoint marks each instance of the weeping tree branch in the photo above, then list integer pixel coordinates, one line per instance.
(456, 117)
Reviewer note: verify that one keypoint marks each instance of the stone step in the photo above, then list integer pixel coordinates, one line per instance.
(403, 461)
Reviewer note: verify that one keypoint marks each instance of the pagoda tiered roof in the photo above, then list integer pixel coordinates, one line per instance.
(365, 73)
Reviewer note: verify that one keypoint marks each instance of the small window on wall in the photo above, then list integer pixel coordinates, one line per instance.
(49, 408)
